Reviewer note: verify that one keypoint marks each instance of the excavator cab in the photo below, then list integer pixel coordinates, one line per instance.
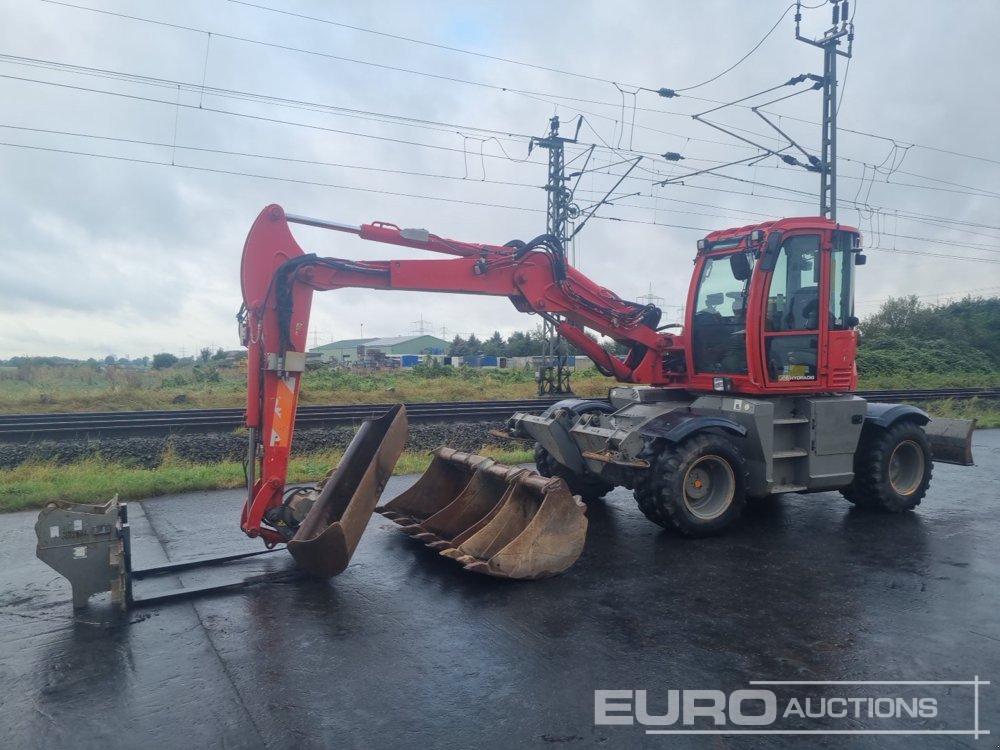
(771, 309)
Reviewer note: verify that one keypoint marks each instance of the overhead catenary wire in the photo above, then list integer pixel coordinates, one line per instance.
(318, 183)
(501, 88)
(382, 117)
(747, 55)
(751, 182)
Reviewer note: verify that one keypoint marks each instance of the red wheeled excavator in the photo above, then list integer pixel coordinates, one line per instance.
(750, 396)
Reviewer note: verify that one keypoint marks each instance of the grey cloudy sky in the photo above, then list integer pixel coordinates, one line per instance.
(136, 152)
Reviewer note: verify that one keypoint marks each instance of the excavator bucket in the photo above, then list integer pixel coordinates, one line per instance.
(330, 532)
(493, 519)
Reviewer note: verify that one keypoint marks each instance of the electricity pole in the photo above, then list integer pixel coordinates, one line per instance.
(840, 28)
(553, 376)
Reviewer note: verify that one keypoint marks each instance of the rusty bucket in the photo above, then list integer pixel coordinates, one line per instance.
(330, 532)
(493, 519)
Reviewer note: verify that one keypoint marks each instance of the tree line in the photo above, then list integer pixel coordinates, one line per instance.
(908, 336)
(904, 336)
(518, 344)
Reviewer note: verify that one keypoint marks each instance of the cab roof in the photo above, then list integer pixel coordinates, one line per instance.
(801, 222)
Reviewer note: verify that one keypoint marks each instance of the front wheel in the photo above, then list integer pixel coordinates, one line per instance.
(588, 487)
(698, 486)
(892, 469)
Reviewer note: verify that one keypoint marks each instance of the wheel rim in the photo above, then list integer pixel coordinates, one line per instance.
(709, 487)
(906, 467)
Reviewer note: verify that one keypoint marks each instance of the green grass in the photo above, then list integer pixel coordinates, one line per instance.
(929, 380)
(83, 388)
(96, 480)
(46, 388)
(985, 412)
(34, 388)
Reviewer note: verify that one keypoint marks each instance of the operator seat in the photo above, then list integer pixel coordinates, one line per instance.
(802, 310)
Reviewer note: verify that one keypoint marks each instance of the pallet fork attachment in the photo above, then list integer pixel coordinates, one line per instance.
(91, 545)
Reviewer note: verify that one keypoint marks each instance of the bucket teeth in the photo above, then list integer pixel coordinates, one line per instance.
(497, 520)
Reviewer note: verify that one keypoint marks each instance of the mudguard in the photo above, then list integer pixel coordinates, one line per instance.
(676, 425)
(884, 415)
(950, 439)
(579, 406)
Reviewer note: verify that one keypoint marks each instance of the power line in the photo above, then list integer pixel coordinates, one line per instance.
(505, 89)
(463, 151)
(547, 97)
(748, 54)
(316, 19)
(244, 115)
(297, 181)
(175, 85)
(314, 183)
(363, 114)
(270, 157)
(317, 183)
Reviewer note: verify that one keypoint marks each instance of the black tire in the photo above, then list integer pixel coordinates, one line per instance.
(674, 494)
(588, 487)
(645, 497)
(892, 468)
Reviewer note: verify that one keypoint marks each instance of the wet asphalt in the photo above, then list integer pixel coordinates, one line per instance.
(405, 649)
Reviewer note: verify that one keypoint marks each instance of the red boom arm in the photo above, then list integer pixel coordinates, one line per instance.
(278, 280)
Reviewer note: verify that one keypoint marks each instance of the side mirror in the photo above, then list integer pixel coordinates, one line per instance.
(771, 251)
(860, 260)
(740, 266)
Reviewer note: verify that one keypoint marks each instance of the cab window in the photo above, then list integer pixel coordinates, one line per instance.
(719, 325)
(791, 323)
(842, 282)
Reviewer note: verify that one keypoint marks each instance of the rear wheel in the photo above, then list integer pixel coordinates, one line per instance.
(892, 469)
(697, 487)
(588, 487)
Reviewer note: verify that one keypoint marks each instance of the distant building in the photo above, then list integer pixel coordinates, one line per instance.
(348, 349)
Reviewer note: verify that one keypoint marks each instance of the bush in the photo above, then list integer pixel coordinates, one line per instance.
(164, 360)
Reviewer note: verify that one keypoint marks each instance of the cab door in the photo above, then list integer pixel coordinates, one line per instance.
(793, 321)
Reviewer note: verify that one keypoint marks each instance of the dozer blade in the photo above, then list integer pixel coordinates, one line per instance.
(330, 532)
(951, 440)
(493, 519)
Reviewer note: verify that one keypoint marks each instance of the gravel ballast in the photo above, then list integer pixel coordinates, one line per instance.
(149, 452)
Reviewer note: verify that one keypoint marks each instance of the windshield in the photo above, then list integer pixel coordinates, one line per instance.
(719, 335)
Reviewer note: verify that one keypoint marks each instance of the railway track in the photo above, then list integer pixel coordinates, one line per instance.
(87, 425)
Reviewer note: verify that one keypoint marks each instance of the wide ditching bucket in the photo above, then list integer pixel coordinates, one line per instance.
(330, 532)
(498, 520)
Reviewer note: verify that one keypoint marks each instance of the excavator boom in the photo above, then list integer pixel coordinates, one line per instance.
(540, 524)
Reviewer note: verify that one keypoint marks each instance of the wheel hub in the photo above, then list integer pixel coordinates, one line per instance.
(709, 487)
(906, 467)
